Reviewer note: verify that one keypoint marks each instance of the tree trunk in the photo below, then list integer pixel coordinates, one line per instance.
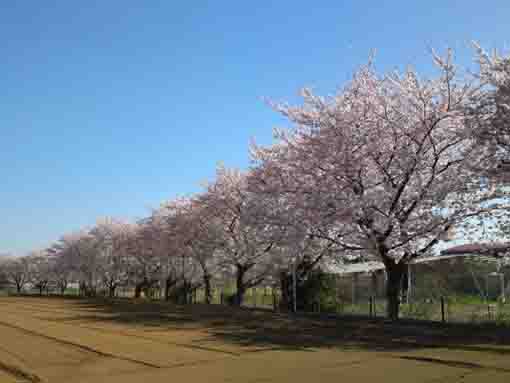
(287, 299)
(92, 292)
(138, 289)
(18, 288)
(373, 284)
(240, 287)
(395, 272)
(62, 285)
(41, 289)
(207, 288)
(169, 283)
(111, 290)
(239, 296)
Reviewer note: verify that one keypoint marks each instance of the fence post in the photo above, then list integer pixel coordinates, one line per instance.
(371, 300)
(336, 298)
(489, 311)
(502, 283)
(354, 285)
(443, 318)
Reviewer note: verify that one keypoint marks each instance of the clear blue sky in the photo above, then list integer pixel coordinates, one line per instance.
(109, 107)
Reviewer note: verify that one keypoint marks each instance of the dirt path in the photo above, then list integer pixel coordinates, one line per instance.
(56, 340)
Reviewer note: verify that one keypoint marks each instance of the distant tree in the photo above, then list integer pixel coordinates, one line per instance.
(144, 264)
(170, 236)
(77, 252)
(62, 263)
(17, 272)
(111, 238)
(41, 272)
(4, 283)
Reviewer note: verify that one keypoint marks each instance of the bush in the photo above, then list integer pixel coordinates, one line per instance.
(315, 289)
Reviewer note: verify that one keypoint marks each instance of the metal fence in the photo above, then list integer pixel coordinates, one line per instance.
(445, 309)
(426, 303)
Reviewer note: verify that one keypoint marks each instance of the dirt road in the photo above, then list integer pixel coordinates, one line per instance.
(71, 340)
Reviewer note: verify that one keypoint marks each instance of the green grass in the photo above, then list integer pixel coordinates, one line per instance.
(254, 297)
(458, 308)
(71, 291)
(462, 309)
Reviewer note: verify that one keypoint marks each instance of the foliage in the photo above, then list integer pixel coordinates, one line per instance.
(315, 289)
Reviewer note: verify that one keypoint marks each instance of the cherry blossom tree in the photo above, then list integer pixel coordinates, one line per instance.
(487, 118)
(246, 241)
(144, 267)
(167, 244)
(41, 273)
(379, 169)
(172, 235)
(111, 237)
(204, 240)
(77, 251)
(17, 272)
(4, 258)
(193, 236)
(299, 250)
(489, 110)
(63, 264)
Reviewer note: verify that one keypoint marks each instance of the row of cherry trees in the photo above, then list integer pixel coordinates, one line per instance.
(183, 244)
(379, 171)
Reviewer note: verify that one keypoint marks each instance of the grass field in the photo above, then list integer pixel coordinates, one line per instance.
(77, 340)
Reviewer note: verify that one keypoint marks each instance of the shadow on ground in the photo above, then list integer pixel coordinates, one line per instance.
(246, 327)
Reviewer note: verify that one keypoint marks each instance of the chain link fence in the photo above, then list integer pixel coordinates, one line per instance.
(456, 291)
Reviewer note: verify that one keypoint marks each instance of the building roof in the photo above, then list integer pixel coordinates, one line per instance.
(495, 249)
(369, 267)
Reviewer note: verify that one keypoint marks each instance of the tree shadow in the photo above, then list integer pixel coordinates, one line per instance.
(263, 329)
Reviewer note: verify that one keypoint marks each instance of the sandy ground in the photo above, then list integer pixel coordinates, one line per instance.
(72, 340)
